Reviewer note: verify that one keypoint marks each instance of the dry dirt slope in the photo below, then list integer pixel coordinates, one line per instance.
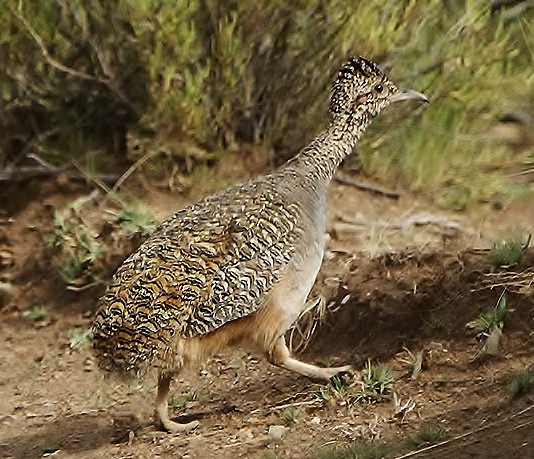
(55, 402)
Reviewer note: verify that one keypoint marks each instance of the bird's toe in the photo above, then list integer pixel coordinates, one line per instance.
(176, 427)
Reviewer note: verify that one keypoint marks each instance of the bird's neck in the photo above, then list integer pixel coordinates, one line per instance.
(320, 160)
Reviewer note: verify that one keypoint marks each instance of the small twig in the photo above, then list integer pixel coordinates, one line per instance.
(527, 243)
(41, 161)
(129, 172)
(524, 172)
(365, 187)
(74, 288)
(27, 173)
(95, 179)
(287, 405)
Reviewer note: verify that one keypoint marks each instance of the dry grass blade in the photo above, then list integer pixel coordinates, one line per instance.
(517, 282)
(112, 192)
(302, 331)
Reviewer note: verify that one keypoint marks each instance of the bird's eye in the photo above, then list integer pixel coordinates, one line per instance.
(379, 88)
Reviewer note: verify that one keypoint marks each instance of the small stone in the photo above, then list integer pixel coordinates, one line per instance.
(246, 433)
(276, 432)
(156, 435)
(252, 420)
(493, 342)
(316, 420)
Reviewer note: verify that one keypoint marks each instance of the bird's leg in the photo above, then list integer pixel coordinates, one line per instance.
(279, 355)
(162, 410)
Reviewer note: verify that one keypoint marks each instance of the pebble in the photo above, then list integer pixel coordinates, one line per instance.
(276, 432)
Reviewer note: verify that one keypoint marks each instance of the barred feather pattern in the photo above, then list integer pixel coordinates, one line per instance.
(211, 263)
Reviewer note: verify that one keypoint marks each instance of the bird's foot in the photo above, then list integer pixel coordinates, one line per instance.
(176, 427)
(335, 371)
(281, 357)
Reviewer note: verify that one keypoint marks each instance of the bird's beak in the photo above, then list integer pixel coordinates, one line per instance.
(408, 94)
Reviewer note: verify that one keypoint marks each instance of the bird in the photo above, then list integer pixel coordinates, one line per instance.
(234, 269)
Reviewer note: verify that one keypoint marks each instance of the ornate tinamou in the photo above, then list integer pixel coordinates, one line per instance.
(235, 268)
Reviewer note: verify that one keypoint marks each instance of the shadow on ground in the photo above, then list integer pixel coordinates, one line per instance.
(70, 434)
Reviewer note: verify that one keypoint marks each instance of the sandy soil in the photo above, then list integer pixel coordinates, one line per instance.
(400, 277)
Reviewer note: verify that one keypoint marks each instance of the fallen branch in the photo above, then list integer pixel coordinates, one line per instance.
(365, 187)
(22, 174)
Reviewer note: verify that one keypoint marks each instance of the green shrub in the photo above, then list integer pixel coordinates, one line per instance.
(74, 82)
(76, 242)
(183, 82)
(83, 239)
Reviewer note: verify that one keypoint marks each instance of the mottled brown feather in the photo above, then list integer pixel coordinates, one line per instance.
(211, 263)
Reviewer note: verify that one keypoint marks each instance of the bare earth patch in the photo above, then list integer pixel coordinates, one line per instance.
(400, 279)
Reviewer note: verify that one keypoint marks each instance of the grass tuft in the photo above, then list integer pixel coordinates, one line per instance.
(491, 319)
(365, 450)
(432, 322)
(134, 221)
(179, 401)
(521, 383)
(80, 338)
(37, 313)
(269, 455)
(508, 252)
(377, 379)
(290, 415)
(426, 436)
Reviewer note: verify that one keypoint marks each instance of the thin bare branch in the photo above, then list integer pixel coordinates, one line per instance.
(365, 187)
(53, 62)
(63, 68)
(129, 172)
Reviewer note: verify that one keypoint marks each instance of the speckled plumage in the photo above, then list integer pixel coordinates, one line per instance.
(235, 268)
(212, 262)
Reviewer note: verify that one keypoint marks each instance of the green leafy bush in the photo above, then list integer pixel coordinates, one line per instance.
(74, 82)
(183, 82)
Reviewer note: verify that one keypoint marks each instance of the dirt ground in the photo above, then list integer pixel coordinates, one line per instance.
(399, 277)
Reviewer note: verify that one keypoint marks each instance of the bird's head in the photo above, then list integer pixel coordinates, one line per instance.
(359, 93)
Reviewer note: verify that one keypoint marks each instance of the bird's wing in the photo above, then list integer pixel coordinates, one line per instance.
(211, 263)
